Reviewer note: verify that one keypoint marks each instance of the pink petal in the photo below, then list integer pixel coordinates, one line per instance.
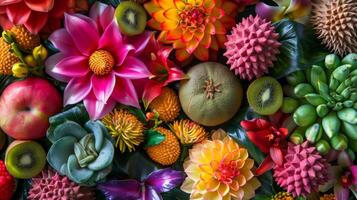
(341, 192)
(72, 66)
(83, 31)
(276, 155)
(103, 86)
(139, 41)
(151, 91)
(124, 92)
(36, 21)
(51, 63)
(132, 68)
(97, 109)
(18, 13)
(40, 6)
(111, 40)
(354, 174)
(63, 42)
(7, 2)
(175, 74)
(102, 14)
(77, 89)
(4, 21)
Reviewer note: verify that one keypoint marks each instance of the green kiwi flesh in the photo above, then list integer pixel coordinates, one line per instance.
(25, 159)
(131, 18)
(265, 95)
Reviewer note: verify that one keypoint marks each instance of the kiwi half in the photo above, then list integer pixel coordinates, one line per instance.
(25, 159)
(131, 18)
(265, 95)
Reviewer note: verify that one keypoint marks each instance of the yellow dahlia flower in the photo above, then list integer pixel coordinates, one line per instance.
(125, 129)
(192, 26)
(219, 170)
(188, 132)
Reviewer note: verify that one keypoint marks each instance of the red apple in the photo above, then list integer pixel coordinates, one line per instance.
(25, 107)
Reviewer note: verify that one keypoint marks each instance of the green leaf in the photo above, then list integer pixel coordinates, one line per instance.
(175, 194)
(299, 48)
(138, 113)
(262, 197)
(153, 137)
(135, 165)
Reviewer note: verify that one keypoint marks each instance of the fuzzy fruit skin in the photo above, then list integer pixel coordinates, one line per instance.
(25, 107)
(7, 183)
(168, 151)
(224, 103)
(167, 105)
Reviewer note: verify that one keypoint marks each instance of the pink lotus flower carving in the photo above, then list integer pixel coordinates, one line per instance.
(97, 61)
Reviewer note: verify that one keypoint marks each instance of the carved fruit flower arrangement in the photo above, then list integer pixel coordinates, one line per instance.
(178, 99)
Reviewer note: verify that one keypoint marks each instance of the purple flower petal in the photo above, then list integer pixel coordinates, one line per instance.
(164, 180)
(83, 31)
(102, 14)
(353, 169)
(341, 193)
(77, 89)
(132, 68)
(140, 41)
(125, 93)
(63, 42)
(267, 12)
(72, 66)
(51, 63)
(97, 109)
(151, 194)
(344, 160)
(121, 189)
(103, 86)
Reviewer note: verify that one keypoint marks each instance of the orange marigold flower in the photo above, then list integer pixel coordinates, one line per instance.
(193, 27)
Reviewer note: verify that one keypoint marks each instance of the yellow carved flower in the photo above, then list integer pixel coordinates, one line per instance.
(188, 132)
(195, 27)
(220, 170)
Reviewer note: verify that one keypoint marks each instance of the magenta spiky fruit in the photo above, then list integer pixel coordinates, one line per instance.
(49, 185)
(252, 47)
(303, 170)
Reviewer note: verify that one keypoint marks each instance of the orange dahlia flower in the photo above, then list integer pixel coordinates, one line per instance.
(220, 170)
(192, 26)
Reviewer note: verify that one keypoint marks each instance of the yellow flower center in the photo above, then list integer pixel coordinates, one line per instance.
(101, 62)
(193, 18)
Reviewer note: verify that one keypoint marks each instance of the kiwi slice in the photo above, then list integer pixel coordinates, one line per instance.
(131, 18)
(25, 159)
(265, 95)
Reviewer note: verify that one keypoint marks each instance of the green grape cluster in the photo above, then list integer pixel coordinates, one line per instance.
(323, 100)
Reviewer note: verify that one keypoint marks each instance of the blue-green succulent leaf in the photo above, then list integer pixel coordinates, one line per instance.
(77, 114)
(105, 157)
(69, 128)
(95, 128)
(60, 151)
(75, 172)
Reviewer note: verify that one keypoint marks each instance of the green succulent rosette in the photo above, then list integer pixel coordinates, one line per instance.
(81, 149)
(325, 98)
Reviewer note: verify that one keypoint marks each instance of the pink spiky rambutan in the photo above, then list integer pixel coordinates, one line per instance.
(303, 171)
(51, 185)
(252, 47)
